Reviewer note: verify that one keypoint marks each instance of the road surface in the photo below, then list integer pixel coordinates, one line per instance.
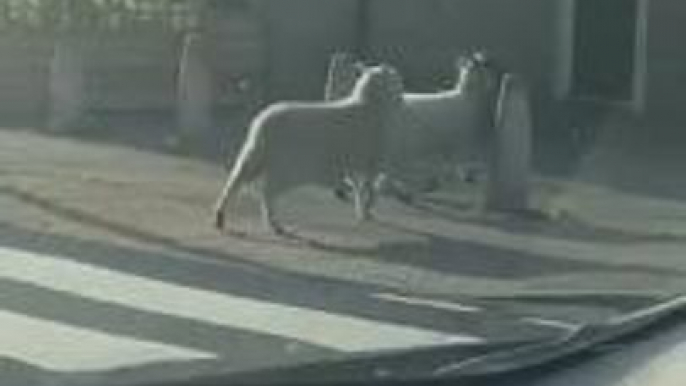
(75, 312)
(111, 273)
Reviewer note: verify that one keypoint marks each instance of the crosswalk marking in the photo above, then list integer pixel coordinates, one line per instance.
(551, 323)
(339, 332)
(59, 347)
(432, 303)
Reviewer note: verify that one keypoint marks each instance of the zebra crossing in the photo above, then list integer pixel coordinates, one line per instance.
(45, 285)
(61, 347)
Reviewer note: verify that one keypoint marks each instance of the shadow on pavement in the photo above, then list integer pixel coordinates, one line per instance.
(457, 256)
(563, 226)
(155, 131)
(432, 252)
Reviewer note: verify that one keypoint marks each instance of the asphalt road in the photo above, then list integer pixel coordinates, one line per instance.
(110, 274)
(139, 199)
(77, 312)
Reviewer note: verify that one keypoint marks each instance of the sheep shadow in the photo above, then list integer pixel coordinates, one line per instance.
(426, 250)
(562, 225)
(455, 255)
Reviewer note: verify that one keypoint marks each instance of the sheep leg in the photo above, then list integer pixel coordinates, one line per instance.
(396, 189)
(225, 197)
(267, 209)
(363, 197)
(357, 197)
(370, 188)
(342, 192)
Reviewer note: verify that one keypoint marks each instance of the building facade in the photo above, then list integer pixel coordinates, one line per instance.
(622, 54)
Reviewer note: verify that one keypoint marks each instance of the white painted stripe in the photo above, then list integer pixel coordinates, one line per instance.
(339, 332)
(551, 323)
(415, 301)
(65, 348)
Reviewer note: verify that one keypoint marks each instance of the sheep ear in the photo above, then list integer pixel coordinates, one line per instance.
(342, 57)
(462, 61)
(359, 66)
(390, 70)
(480, 56)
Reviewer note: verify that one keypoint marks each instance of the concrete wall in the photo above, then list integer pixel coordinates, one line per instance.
(130, 72)
(423, 36)
(302, 34)
(24, 69)
(122, 72)
(237, 53)
(290, 43)
(666, 97)
(125, 70)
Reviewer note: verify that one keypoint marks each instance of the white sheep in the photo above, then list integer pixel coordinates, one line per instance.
(291, 144)
(446, 127)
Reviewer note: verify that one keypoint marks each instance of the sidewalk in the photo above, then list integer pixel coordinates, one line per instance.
(605, 240)
(610, 209)
(632, 180)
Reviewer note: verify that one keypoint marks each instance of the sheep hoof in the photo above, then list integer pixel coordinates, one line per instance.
(342, 194)
(431, 185)
(365, 217)
(405, 198)
(281, 231)
(237, 233)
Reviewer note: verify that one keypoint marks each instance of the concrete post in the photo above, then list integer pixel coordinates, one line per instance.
(194, 90)
(509, 174)
(67, 93)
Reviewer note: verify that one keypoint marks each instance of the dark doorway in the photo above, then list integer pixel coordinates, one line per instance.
(604, 49)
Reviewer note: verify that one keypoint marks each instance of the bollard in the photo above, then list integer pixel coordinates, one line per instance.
(194, 91)
(67, 100)
(508, 185)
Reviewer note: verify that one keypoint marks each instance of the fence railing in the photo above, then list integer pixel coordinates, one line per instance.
(89, 15)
